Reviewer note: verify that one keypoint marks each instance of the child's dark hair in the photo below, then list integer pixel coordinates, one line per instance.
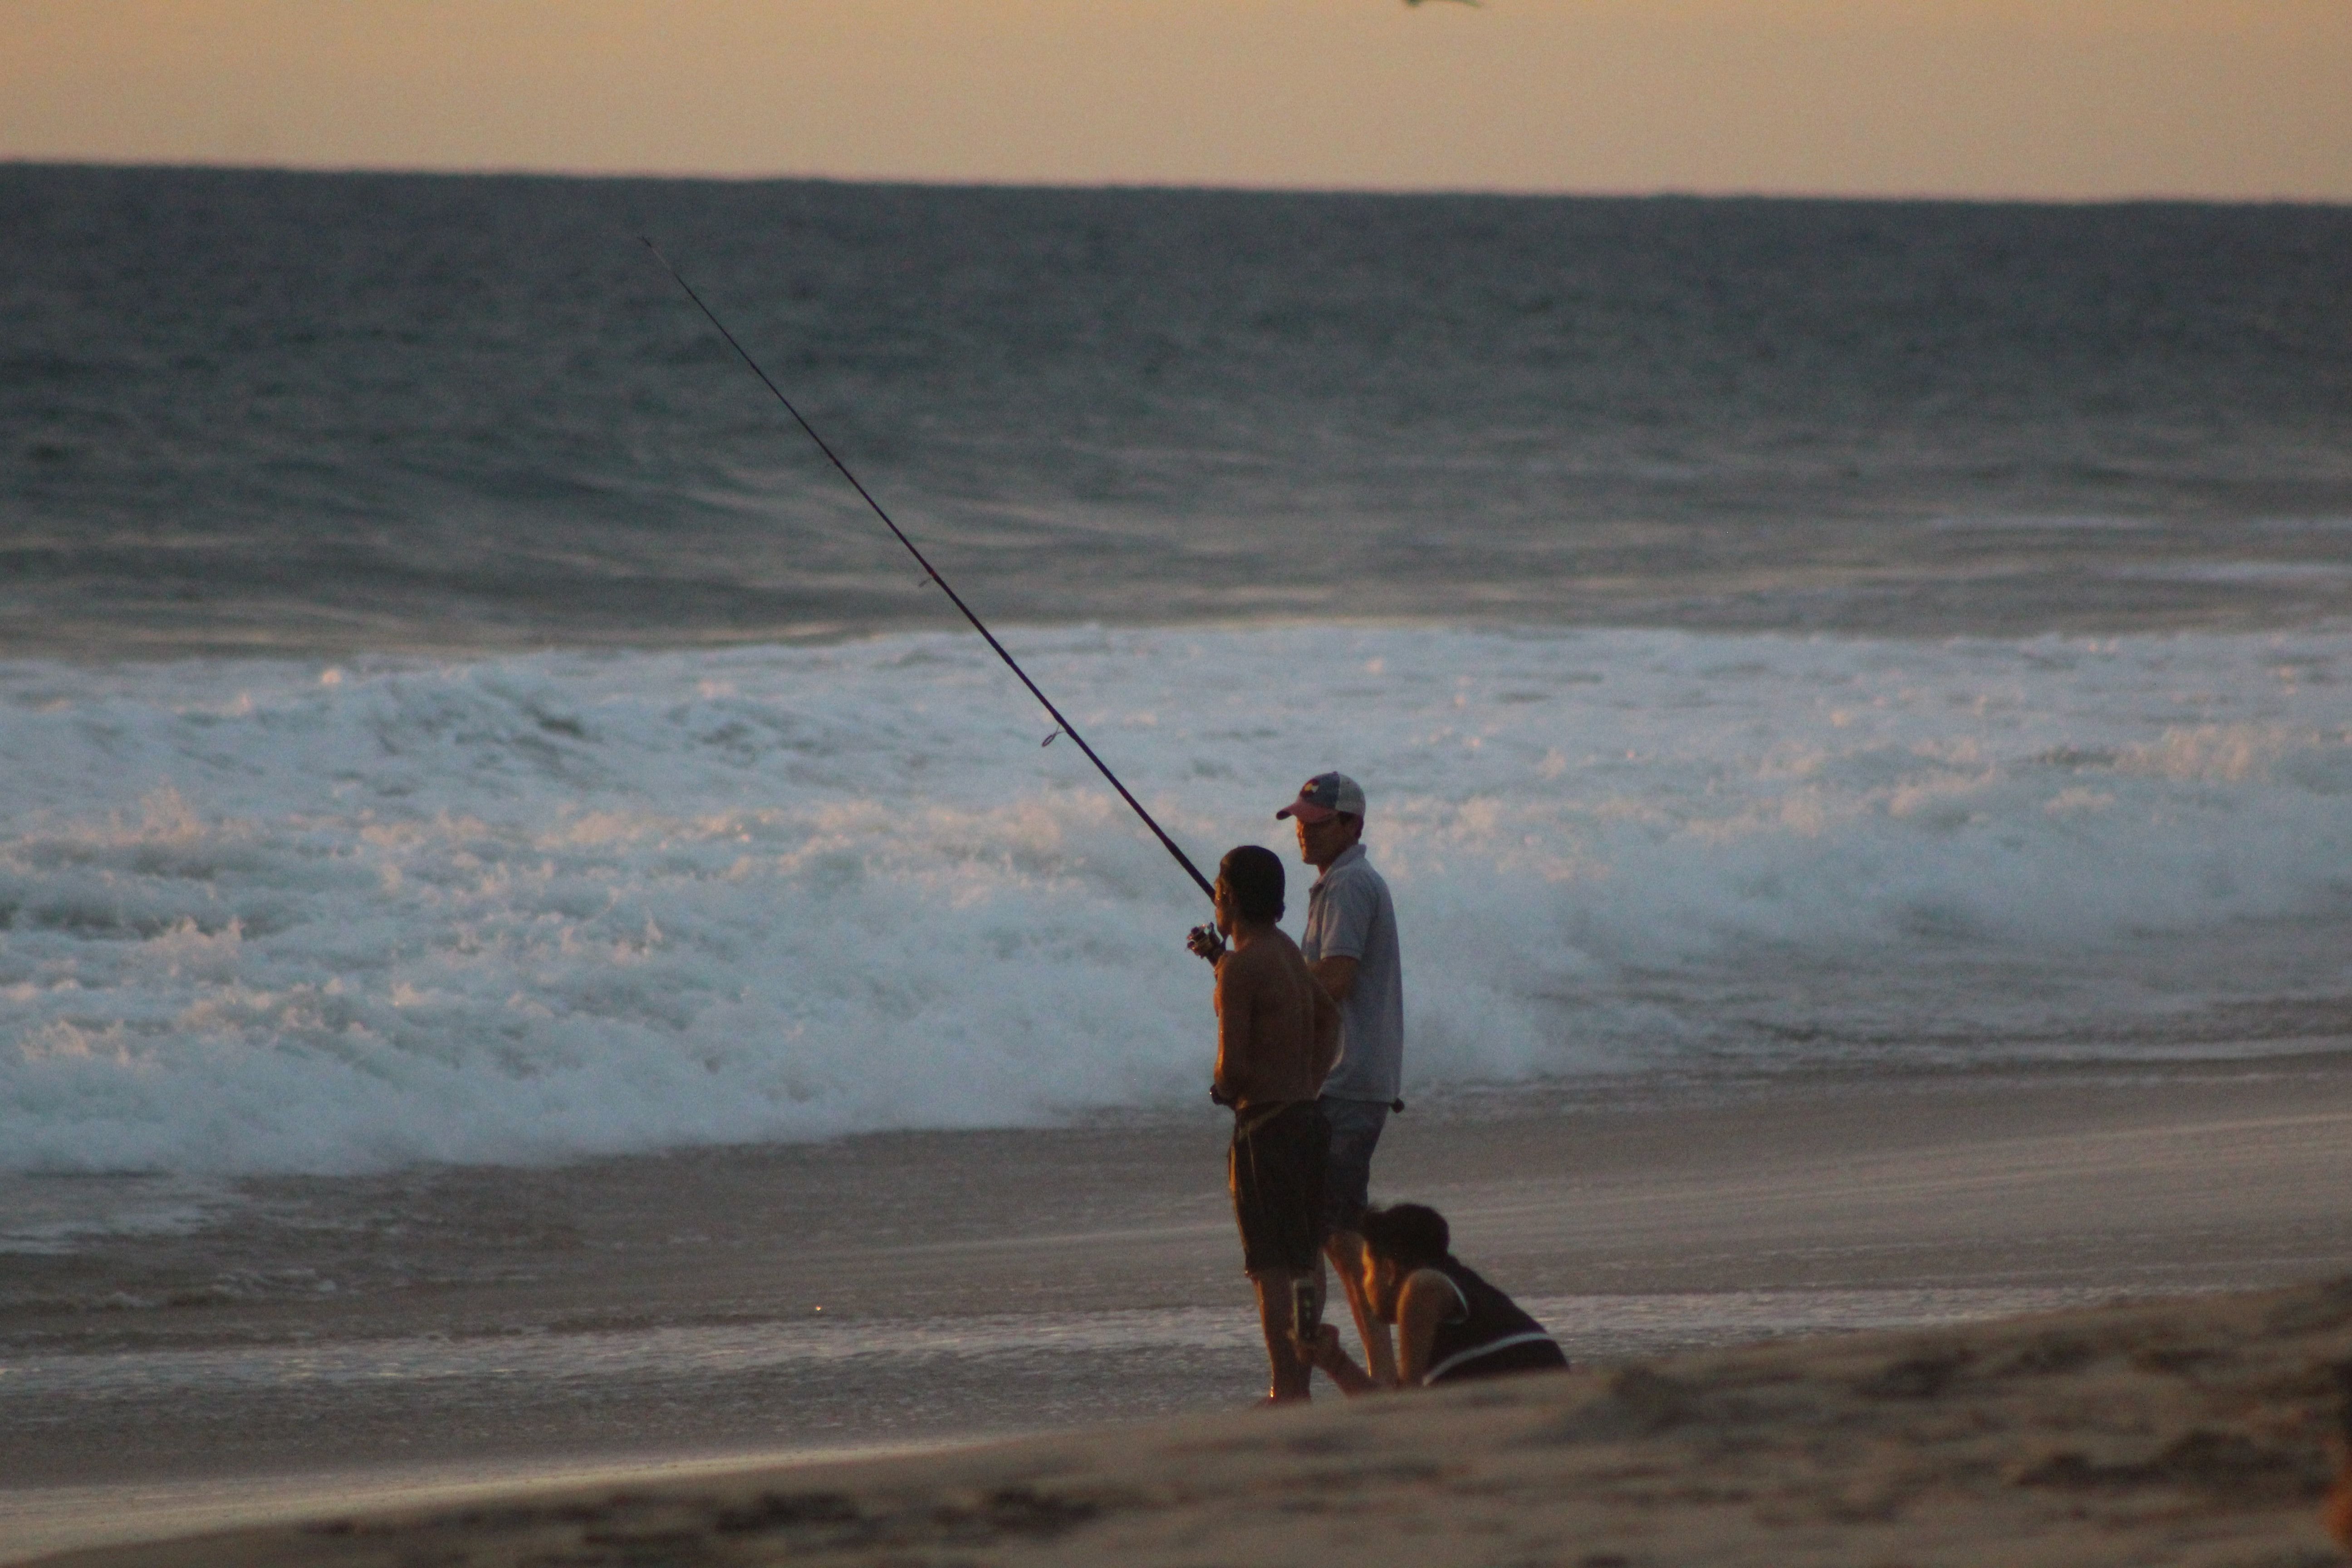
(1411, 1236)
(1253, 876)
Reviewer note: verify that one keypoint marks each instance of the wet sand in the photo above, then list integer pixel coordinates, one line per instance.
(2191, 1431)
(300, 1346)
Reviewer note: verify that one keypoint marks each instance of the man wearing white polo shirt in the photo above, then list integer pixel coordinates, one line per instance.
(1350, 947)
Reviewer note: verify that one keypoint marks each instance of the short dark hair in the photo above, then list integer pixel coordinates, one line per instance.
(1253, 876)
(1408, 1235)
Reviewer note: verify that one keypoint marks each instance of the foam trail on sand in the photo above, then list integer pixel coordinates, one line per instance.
(1614, 1324)
(272, 917)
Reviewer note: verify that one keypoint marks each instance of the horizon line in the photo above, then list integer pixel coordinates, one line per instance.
(1510, 192)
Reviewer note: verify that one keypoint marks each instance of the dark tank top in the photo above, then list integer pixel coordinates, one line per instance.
(1488, 1336)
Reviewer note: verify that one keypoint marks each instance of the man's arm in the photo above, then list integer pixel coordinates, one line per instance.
(1324, 1027)
(1336, 976)
(1351, 908)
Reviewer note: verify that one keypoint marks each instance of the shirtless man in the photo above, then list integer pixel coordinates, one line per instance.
(1452, 1326)
(1277, 1035)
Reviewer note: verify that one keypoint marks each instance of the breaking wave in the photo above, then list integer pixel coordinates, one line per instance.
(273, 915)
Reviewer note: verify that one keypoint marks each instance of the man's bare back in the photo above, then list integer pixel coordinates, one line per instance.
(1277, 1030)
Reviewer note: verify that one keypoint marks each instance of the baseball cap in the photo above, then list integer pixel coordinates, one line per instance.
(1323, 796)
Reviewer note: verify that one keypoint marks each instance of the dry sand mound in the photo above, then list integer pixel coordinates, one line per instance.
(2193, 1431)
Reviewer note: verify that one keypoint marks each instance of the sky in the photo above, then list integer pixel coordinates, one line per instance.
(2055, 99)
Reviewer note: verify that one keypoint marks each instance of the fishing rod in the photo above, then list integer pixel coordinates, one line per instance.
(1064, 727)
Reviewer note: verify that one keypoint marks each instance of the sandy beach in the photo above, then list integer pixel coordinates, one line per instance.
(2183, 1431)
(313, 1347)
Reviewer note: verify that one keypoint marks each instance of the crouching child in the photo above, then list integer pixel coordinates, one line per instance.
(1452, 1326)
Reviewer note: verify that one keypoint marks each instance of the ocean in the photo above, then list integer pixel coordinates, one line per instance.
(448, 714)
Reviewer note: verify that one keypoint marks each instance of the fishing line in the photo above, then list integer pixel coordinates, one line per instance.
(1064, 727)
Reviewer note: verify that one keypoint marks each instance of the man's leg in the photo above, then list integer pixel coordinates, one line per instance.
(1347, 1183)
(1289, 1374)
(1276, 1173)
(1345, 1251)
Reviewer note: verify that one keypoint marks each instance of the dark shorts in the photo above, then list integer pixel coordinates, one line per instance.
(1276, 1171)
(1348, 1175)
(1536, 1355)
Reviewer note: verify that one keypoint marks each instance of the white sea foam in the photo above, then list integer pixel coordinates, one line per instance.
(272, 917)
